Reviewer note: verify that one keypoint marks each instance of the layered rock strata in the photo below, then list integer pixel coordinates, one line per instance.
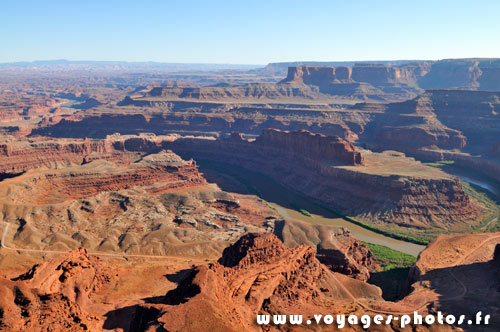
(390, 189)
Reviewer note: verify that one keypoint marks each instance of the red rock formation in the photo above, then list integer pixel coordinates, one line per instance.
(369, 73)
(398, 82)
(53, 296)
(20, 155)
(447, 119)
(207, 118)
(159, 172)
(382, 195)
(75, 275)
(239, 92)
(361, 81)
(313, 146)
(335, 247)
(256, 275)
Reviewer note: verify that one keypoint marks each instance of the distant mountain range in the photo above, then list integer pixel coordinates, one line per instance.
(62, 63)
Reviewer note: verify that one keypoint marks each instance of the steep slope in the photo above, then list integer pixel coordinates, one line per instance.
(255, 275)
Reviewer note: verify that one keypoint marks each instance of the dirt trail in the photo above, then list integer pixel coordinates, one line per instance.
(426, 302)
(344, 288)
(461, 261)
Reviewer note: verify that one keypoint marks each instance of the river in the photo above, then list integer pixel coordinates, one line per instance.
(469, 175)
(286, 202)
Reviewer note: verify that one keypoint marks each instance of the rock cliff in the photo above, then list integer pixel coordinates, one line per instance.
(467, 119)
(256, 275)
(398, 82)
(314, 146)
(385, 189)
(19, 155)
(253, 91)
(208, 119)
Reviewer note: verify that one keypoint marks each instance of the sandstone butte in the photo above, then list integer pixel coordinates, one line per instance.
(255, 275)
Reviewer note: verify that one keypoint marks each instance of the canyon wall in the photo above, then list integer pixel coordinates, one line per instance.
(207, 119)
(480, 74)
(314, 146)
(229, 92)
(367, 192)
(19, 155)
(458, 125)
(375, 82)
(369, 73)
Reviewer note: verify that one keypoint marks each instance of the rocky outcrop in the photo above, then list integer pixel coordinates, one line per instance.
(54, 295)
(314, 146)
(362, 81)
(161, 172)
(19, 155)
(335, 247)
(256, 275)
(373, 74)
(470, 74)
(75, 276)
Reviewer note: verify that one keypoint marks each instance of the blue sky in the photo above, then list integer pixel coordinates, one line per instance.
(248, 32)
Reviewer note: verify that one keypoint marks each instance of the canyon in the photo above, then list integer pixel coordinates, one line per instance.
(135, 198)
(354, 183)
(127, 194)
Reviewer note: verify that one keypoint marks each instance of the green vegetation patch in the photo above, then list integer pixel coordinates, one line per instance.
(440, 163)
(389, 258)
(393, 276)
(303, 211)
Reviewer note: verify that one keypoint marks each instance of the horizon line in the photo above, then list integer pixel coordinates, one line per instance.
(62, 61)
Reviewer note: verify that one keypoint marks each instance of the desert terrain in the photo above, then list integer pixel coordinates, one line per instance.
(147, 197)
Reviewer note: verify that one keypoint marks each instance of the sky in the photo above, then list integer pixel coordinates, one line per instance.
(248, 32)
